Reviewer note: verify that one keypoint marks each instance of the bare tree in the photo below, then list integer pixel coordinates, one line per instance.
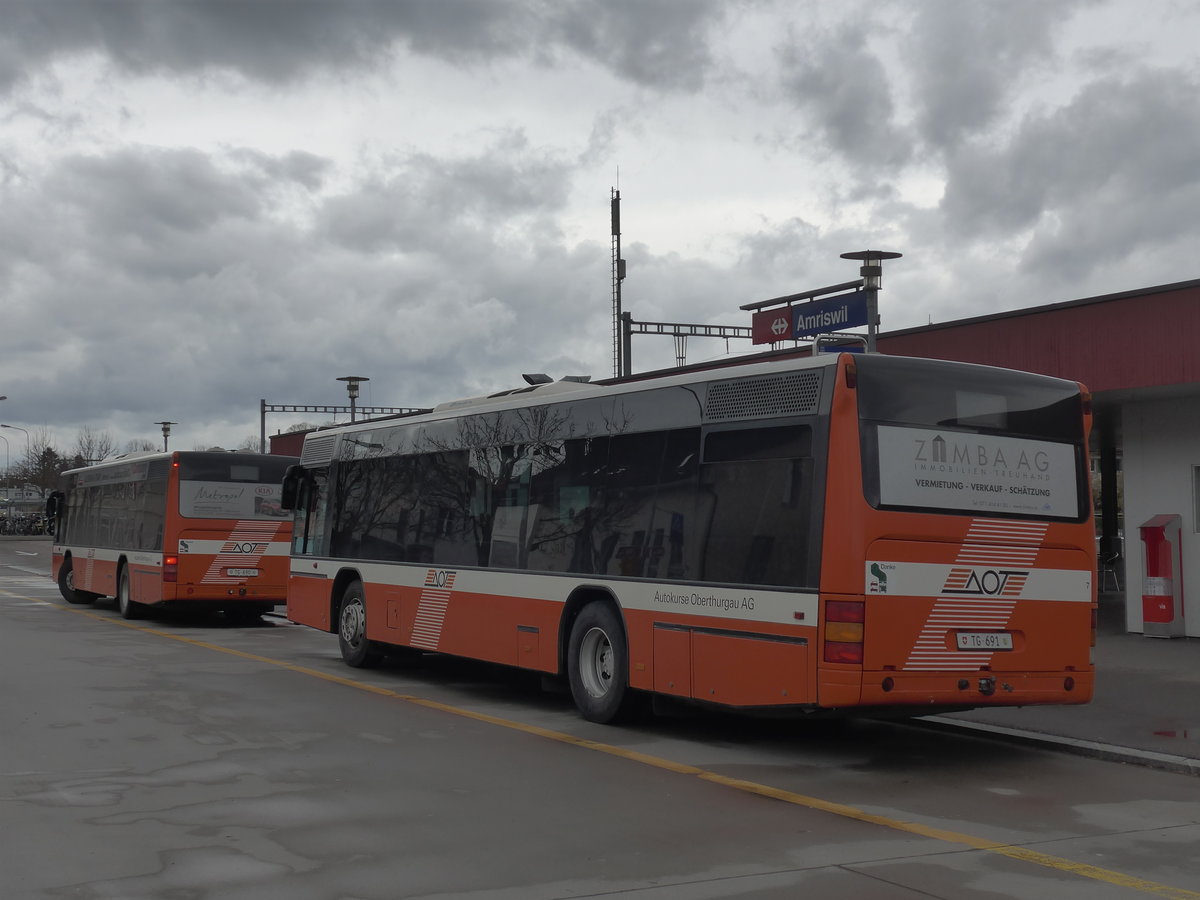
(42, 462)
(139, 444)
(92, 446)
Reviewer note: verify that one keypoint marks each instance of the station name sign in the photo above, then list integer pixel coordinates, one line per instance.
(805, 320)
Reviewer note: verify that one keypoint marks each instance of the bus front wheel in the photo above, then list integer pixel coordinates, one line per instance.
(357, 651)
(598, 665)
(129, 608)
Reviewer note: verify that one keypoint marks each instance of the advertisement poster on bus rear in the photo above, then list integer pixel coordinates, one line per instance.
(932, 469)
(229, 500)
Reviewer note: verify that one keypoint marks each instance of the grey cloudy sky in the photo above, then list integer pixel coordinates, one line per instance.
(206, 203)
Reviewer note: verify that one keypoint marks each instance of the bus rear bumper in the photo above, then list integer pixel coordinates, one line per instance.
(977, 688)
(203, 594)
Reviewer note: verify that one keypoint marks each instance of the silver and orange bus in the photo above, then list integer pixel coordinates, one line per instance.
(837, 533)
(201, 529)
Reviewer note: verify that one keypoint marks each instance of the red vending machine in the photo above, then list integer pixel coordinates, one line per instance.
(1162, 583)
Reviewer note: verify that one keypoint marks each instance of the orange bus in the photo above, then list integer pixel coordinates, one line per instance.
(837, 533)
(201, 529)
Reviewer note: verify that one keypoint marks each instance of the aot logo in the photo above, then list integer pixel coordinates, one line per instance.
(246, 547)
(986, 582)
(439, 578)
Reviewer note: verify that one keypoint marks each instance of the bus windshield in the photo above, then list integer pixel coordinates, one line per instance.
(970, 439)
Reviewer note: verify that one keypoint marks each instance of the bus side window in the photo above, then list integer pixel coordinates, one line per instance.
(760, 480)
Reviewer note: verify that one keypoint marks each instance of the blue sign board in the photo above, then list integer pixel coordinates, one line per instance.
(825, 316)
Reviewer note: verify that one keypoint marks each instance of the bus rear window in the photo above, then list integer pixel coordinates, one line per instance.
(225, 486)
(943, 394)
(972, 439)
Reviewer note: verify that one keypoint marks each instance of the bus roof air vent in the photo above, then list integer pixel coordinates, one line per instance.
(791, 394)
(318, 450)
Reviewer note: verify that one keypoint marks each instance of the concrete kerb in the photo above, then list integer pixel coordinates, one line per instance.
(1181, 765)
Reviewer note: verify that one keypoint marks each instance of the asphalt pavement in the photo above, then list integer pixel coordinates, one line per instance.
(1146, 708)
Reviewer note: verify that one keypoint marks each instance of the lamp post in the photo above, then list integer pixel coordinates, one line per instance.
(7, 463)
(352, 383)
(166, 428)
(872, 273)
(28, 453)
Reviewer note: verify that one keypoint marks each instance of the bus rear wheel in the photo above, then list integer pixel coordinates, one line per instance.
(357, 651)
(128, 607)
(598, 665)
(66, 585)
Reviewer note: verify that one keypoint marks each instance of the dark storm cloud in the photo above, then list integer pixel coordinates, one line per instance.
(187, 291)
(1084, 173)
(653, 42)
(649, 42)
(967, 58)
(426, 201)
(142, 192)
(835, 78)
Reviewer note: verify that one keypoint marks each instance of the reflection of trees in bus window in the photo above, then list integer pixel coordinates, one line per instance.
(308, 525)
(124, 510)
(619, 504)
(404, 508)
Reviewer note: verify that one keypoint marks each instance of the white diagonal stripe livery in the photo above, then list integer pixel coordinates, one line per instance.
(979, 591)
(247, 544)
(996, 543)
(991, 543)
(431, 609)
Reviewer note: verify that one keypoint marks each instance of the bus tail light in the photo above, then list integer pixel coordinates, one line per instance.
(844, 621)
(170, 569)
(1095, 624)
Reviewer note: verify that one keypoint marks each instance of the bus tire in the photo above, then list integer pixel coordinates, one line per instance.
(357, 651)
(598, 665)
(66, 585)
(126, 605)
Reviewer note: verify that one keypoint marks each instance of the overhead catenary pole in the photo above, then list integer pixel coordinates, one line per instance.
(264, 407)
(620, 357)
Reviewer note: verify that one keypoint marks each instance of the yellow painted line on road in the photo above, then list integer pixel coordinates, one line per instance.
(1012, 851)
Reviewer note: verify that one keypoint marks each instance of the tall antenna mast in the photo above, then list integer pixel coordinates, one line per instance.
(618, 275)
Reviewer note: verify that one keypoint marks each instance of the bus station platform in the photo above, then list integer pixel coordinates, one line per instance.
(1146, 708)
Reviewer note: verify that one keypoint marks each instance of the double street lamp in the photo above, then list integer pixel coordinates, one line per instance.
(28, 453)
(8, 456)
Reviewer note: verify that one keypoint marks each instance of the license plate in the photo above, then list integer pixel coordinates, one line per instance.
(984, 640)
(242, 573)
